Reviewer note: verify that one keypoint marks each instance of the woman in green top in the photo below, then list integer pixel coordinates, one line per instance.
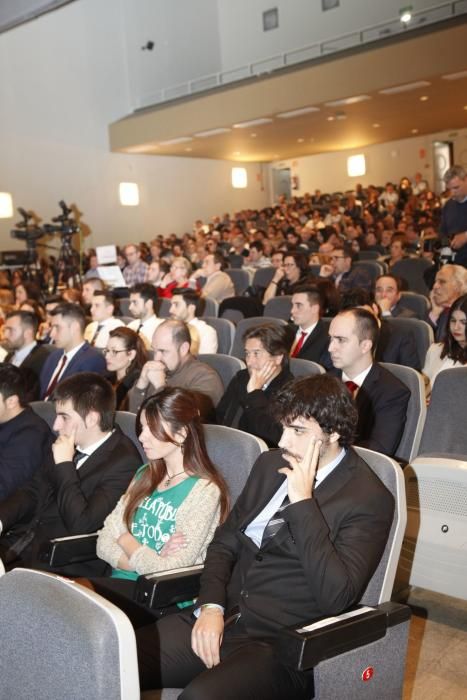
(170, 511)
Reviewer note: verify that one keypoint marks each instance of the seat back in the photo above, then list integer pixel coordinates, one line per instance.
(211, 308)
(61, 640)
(45, 410)
(304, 368)
(225, 330)
(445, 432)
(368, 255)
(421, 331)
(124, 306)
(263, 276)
(164, 307)
(433, 553)
(226, 366)
(380, 586)
(234, 453)
(374, 268)
(416, 410)
(417, 303)
(241, 279)
(243, 325)
(236, 260)
(411, 270)
(279, 307)
(126, 421)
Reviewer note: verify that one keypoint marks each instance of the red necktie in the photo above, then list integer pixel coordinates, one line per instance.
(54, 381)
(352, 387)
(298, 345)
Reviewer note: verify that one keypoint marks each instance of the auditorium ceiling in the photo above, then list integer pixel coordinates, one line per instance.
(414, 87)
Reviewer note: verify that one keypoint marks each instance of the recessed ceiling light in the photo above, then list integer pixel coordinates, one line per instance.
(253, 136)
(173, 142)
(348, 101)
(189, 149)
(211, 132)
(455, 76)
(405, 88)
(331, 118)
(405, 14)
(424, 98)
(252, 122)
(376, 125)
(300, 140)
(236, 153)
(340, 116)
(414, 131)
(276, 155)
(297, 112)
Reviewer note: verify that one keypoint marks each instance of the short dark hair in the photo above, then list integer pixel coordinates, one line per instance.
(396, 279)
(27, 318)
(12, 382)
(53, 299)
(191, 296)
(147, 292)
(72, 312)
(258, 245)
(273, 337)
(95, 283)
(219, 259)
(313, 294)
(366, 325)
(322, 397)
(89, 391)
(109, 297)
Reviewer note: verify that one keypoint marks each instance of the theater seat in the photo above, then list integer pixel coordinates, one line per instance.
(61, 640)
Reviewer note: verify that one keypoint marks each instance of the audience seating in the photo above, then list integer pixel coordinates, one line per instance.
(418, 303)
(126, 319)
(368, 255)
(236, 261)
(344, 648)
(126, 421)
(244, 325)
(422, 333)
(263, 276)
(433, 554)
(124, 306)
(411, 270)
(416, 411)
(304, 368)
(279, 307)
(61, 640)
(164, 306)
(211, 308)
(226, 366)
(225, 330)
(241, 279)
(374, 268)
(45, 410)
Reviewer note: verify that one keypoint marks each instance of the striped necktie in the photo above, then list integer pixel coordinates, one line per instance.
(275, 523)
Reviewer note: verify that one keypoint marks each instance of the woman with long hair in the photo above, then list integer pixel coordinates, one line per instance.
(453, 351)
(125, 356)
(168, 515)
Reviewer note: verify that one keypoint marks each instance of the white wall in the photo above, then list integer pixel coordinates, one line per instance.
(384, 162)
(64, 79)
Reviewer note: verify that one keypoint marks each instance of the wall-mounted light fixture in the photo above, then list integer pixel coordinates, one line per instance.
(239, 178)
(6, 205)
(405, 14)
(356, 165)
(129, 194)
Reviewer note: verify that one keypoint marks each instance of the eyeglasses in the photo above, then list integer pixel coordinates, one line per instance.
(289, 265)
(337, 257)
(107, 351)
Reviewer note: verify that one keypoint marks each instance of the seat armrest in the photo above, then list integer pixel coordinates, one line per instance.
(305, 646)
(157, 591)
(69, 550)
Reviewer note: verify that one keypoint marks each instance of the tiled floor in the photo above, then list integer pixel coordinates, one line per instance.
(437, 656)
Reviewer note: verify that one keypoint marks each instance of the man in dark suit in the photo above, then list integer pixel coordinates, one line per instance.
(388, 289)
(73, 492)
(25, 439)
(380, 397)
(74, 354)
(19, 332)
(301, 542)
(311, 335)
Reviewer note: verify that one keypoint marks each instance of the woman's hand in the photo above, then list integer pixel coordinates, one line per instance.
(174, 544)
(206, 636)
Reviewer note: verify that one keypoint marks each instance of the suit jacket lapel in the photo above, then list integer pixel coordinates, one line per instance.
(97, 458)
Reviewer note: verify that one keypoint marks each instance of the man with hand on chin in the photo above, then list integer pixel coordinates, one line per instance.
(302, 542)
(246, 403)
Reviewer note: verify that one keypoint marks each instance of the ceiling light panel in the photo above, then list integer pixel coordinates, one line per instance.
(297, 112)
(405, 88)
(173, 142)
(212, 132)
(252, 122)
(348, 101)
(455, 76)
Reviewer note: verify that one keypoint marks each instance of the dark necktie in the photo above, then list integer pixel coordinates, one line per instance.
(298, 345)
(96, 333)
(77, 456)
(275, 523)
(352, 387)
(140, 327)
(54, 381)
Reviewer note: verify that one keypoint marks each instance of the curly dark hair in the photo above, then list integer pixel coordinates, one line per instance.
(451, 348)
(323, 398)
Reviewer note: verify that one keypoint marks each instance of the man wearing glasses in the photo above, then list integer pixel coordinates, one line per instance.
(345, 276)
